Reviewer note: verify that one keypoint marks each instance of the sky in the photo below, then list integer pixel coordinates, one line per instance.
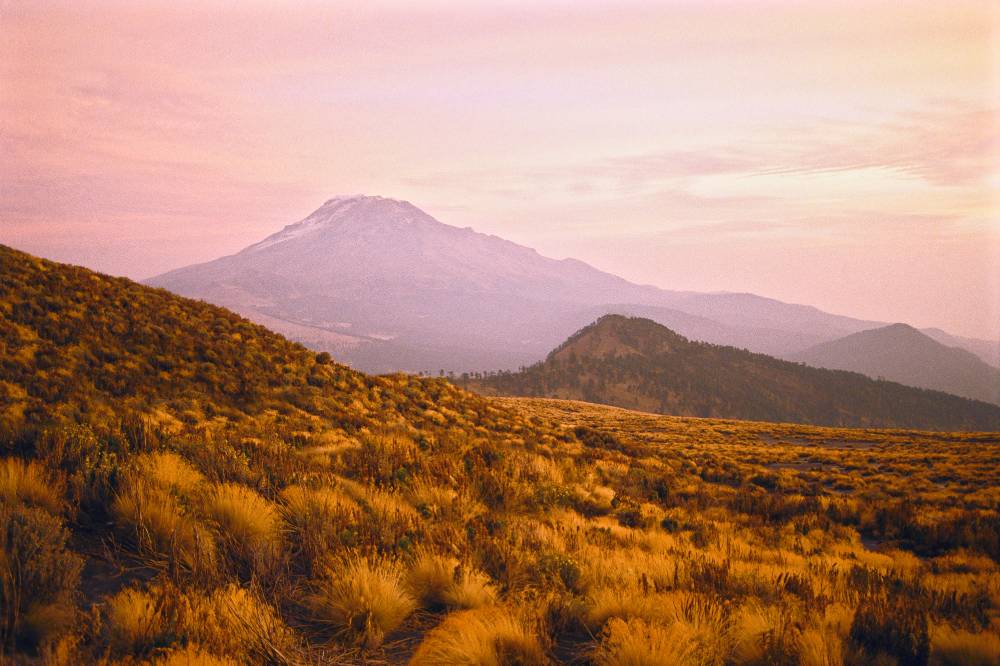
(840, 154)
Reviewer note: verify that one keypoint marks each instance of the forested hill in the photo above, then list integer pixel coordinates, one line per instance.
(639, 364)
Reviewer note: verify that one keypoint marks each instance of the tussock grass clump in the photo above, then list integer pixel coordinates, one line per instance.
(432, 501)
(136, 621)
(238, 622)
(606, 603)
(636, 642)
(38, 576)
(168, 471)
(484, 637)
(958, 647)
(192, 655)
(158, 525)
(362, 599)
(29, 482)
(822, 643)
(231, 621)
(439, 581)
(322, 520)
(390, 520)
(248, 524)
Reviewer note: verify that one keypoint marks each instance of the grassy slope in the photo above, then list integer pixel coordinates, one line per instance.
(230, 495)
(639, 364)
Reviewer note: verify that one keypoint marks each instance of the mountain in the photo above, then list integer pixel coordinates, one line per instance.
(639, 364)
(985, 350)
(903, 354)
(384, 286)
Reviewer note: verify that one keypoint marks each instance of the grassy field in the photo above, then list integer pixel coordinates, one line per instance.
(181, 487)
(633, 539)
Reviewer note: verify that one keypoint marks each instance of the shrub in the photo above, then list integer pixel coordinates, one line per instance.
(362, 599)
(38, 576)
(485, 637)
(28, 482)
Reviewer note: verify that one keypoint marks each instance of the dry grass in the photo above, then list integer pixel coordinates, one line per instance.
(636, 642)
(440, 581)
(169, 471)
(238, 622)
(158, 524)
(248, 524)
(192, 655)
(136, 621)
(362, 599)
(657, 540)
(482, 637)
(231, 621)
(954, 647)
(31, 483)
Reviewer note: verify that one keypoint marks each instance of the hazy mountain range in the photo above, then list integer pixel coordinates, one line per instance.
(638, 364)
(384, 286)
(903, 354)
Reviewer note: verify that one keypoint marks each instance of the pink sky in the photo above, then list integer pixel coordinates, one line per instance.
(841, 154)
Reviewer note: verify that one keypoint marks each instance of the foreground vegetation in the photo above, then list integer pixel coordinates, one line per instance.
(179, 486)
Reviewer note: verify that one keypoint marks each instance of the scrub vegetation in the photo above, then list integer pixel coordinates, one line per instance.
(180, 486)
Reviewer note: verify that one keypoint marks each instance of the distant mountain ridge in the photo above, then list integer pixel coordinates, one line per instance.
(639, 364)
(384, 286)
(903, 354)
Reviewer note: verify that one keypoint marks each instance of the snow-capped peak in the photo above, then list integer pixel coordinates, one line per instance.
(356, 209)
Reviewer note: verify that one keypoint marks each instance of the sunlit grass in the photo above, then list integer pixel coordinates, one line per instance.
(361, 599)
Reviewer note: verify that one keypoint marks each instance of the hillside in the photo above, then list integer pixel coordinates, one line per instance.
(384, 286)
(180, 486)
(901, 353)
(639, 364)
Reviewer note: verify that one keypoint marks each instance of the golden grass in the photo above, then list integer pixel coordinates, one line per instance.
(134, 622)
(362, 599)
(235, 621)
(31, 483)
(192, 655)
(637, 642)
(955, 647)
(230, 621)
(158, 525)
(482, 637)
(439, 581)
(168, 471)
(249, 524)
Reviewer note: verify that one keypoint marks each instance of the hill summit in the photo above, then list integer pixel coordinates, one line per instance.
(639, 364)
(903, 354)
